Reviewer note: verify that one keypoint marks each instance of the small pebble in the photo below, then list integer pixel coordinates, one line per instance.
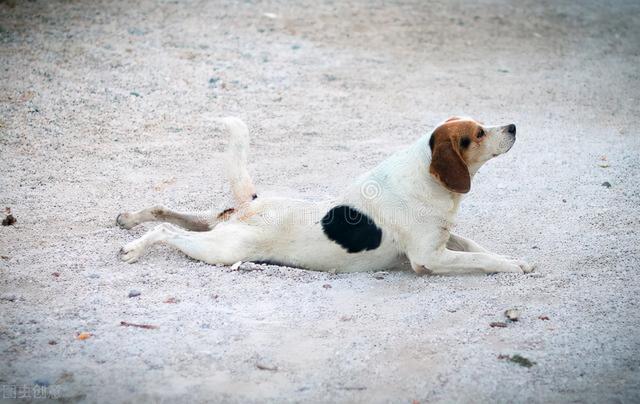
(263, 366)
(606, 184)
(84, 335)
(326, 286)
(136, 31)
(134, 293)
(41, 382)
(520, 360)
(512, 314)
(9, 220)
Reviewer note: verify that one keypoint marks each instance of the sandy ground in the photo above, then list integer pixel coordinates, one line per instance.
(106, 107)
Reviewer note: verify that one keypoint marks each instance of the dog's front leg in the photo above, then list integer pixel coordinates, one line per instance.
(459, 243)
(446, 261)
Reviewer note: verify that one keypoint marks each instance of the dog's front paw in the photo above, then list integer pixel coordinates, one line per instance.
(525, 267)
(125, 220)
(506, 266)
(528, 268)
(132, 251)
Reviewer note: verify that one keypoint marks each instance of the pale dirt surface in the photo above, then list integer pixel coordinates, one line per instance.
(106, 107)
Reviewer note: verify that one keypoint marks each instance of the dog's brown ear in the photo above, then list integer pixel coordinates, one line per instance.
(448, 166)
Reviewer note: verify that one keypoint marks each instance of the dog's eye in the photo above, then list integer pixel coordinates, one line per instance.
(480, 134)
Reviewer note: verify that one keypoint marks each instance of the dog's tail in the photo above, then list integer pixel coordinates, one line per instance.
(242, 186)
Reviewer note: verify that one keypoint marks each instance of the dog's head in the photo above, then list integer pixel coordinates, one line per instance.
(461, 145)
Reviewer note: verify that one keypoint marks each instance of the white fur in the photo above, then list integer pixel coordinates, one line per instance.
(236, 160)
(414, 211)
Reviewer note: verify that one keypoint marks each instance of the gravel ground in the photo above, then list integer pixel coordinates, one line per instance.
(106, 107)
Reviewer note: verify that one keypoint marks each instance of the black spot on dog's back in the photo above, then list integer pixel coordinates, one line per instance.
(351, 229)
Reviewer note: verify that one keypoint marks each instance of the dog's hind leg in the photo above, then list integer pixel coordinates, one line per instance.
(225, 244)
(190, 221)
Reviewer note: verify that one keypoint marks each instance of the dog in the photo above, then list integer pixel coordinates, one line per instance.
(402, 210)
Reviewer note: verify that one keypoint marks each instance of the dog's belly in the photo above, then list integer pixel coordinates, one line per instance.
(301, 234)
(312, 249)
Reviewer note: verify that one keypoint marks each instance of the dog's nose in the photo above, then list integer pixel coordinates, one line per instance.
(511, 129)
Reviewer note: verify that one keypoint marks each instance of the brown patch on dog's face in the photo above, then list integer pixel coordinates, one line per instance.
(455, 145)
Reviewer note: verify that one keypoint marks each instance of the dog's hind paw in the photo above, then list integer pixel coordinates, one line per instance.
(125, 221)
(131, 251)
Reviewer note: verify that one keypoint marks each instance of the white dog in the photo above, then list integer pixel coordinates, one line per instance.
(402, 209)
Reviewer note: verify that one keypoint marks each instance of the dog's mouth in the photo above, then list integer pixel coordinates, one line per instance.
(508, 147)
(503, 151)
